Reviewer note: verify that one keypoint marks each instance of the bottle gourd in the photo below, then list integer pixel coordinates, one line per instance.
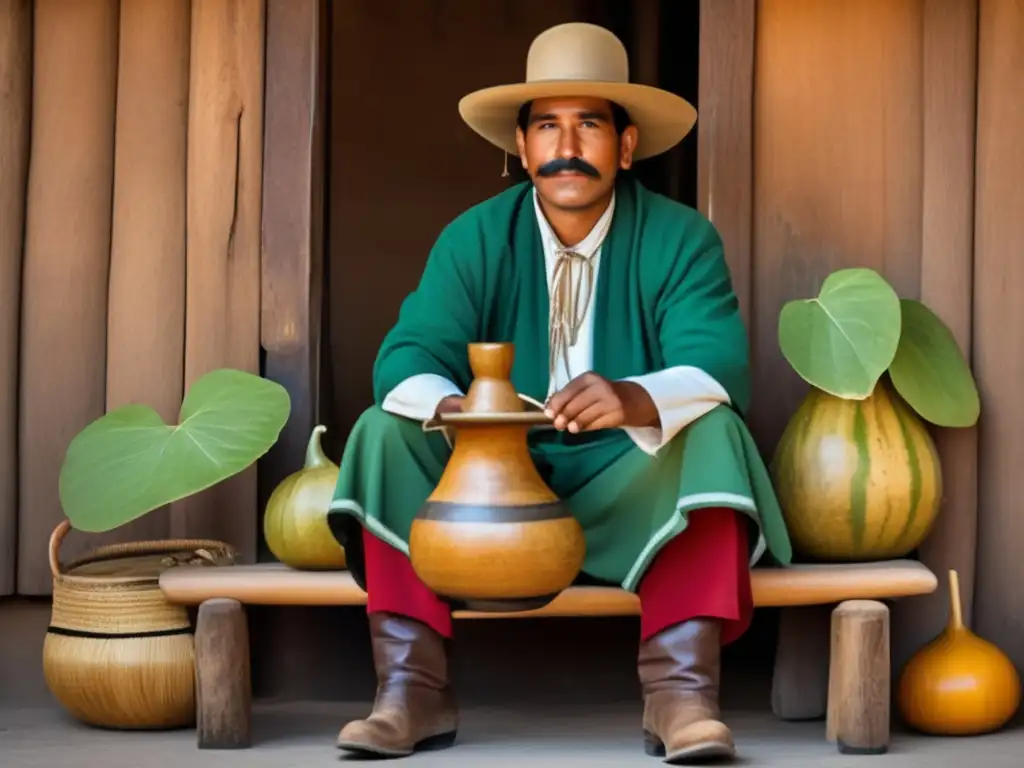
(295, 523)
(959, 684)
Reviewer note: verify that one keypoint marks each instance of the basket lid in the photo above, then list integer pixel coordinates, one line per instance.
(144, 566)
(138, 561)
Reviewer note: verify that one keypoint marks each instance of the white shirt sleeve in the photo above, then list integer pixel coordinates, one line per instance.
(682, 395)
(418, 396)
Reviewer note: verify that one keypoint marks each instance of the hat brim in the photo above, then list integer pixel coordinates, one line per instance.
(662, 119)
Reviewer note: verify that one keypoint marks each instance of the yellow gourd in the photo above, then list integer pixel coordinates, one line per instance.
(295, 522)
(959, 684)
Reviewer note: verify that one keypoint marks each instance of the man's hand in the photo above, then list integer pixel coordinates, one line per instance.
(450, 404)
(591, 402)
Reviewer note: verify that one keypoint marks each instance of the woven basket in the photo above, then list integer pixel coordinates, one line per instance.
(116, 653)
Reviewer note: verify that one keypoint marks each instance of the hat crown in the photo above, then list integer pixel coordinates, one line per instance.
(577, 51)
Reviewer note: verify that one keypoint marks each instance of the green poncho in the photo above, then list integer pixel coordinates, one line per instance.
(663, 298)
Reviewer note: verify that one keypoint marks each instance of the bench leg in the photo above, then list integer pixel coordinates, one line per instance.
(800, 679)
(859, 678)
(223, 682)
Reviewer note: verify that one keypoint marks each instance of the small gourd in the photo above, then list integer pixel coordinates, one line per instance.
(295, 522)
(959, 684)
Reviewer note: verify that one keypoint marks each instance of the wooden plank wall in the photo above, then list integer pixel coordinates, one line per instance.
(15, 117)
(131, 151)
(999, 321)
(949, 77)
(224, 188)
(66, 260)
(146, 299)
(837, 165)
(725, 161)
(840, 134)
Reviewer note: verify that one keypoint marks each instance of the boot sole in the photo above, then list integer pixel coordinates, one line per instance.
(701, 752)
(440, 741)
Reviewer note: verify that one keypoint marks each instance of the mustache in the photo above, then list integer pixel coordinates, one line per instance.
(578, 164)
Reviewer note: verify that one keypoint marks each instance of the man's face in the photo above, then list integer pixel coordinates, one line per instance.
(572, 152)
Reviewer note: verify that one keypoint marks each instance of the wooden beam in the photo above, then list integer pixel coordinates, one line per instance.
(224, 188)
(950, 29)
(725, 130)
(146, 301)
(292, 261)
(15, 120)
(67, 259)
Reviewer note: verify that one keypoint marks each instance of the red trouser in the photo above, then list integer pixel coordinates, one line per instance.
(702, 572)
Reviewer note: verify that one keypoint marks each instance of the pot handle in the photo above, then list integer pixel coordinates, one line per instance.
(55, 539)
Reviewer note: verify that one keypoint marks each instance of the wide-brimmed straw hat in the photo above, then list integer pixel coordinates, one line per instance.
(580, 59)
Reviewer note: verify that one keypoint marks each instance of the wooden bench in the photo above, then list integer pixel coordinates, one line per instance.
(832, 657)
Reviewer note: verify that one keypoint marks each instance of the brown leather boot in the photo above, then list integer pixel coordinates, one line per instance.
(415, 706)
(679, 673)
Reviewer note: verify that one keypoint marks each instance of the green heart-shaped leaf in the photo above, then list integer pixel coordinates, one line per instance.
(842, 341)
(129, 462)
(931, 373)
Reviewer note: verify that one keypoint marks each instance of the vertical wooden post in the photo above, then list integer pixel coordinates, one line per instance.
(859, 678)
(725, 131)
(292, 259)
(223, 676)
(224, 184)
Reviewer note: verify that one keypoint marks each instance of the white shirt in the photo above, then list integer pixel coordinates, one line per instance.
(681, 394)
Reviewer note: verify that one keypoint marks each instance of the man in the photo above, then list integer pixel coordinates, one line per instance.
(625, 324)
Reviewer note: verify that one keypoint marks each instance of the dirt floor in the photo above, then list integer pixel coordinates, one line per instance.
(301, 736)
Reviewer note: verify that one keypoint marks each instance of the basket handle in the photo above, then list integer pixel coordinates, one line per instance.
(55, 539)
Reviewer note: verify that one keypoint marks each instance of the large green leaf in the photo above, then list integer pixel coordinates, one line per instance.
(129, 462)
(931, 373)
(842, 341)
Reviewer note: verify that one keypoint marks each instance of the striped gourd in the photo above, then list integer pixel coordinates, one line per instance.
(857, 479)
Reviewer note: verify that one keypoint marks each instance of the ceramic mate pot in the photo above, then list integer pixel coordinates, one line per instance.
(493, 536)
